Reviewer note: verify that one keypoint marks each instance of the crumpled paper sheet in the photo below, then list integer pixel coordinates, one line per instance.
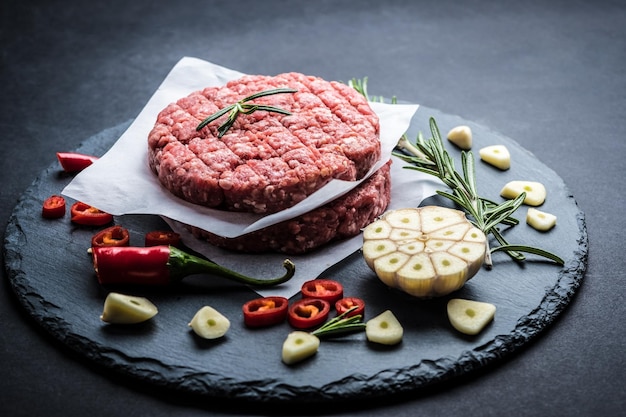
(121, 182)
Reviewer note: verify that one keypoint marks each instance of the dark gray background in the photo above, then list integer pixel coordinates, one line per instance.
(550, 75)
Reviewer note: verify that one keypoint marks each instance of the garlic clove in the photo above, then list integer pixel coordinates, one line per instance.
(468, 316)
(127, 309)
(461, 136)
(209, 323)
(535, 191)
(496, 155)
(540, 220)
(298, 346)
(384, 329)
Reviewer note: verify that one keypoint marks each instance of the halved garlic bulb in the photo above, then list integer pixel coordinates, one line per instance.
(426, 252)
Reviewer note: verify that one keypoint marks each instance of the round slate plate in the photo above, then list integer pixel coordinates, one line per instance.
(51, 274)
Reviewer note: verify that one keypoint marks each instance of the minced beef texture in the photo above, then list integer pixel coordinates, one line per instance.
(267, 161)
(342, 218)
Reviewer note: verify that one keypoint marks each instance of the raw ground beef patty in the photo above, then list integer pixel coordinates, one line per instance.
(267, 161)
(340, 219)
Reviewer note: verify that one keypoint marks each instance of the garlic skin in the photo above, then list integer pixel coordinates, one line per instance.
(426, 252)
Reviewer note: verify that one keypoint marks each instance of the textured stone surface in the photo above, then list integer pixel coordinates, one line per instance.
(51, 275)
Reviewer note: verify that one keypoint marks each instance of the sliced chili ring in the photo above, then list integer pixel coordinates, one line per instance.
(53, 207)
(162, 237)
(75, 162)
(347, 303)
(265, 311)
(111, 236)
(88, 215)
(308, 312)
(323, 289)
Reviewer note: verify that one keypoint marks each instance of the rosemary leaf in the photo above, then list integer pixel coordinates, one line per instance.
(339, 331)
(495, 232)
(529, 249)
(424, 170)
(242, 106)
(467, 160)
(272, 109)
(268, 93)
(490, 206)
(503, 211)
(341, 324)
(458, 200)
(214, 116)
(360, 86)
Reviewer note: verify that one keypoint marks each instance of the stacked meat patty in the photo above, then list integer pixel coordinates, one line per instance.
(268, 161)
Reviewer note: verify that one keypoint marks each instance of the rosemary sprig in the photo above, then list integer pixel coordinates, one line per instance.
(430, 157)
(242, 106)
(360, 85)
(341, 325)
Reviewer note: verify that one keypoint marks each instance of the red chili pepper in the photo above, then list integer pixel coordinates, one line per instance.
(308, 312)
(162, 237)
(88, 215)
(163, 265)
(265, 311)
(130, 265)
(75, 162)
(324, 289)
(111, 236)
(347, 303)
(53, 207)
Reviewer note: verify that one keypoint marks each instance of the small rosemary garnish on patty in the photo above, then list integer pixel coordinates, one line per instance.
(430, 157)
(242, 106)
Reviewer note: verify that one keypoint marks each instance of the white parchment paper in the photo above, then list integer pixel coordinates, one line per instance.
(121, 182)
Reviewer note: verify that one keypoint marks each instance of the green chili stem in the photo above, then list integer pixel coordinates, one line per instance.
(182, 264)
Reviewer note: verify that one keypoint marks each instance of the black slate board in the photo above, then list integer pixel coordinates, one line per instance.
(52, 277)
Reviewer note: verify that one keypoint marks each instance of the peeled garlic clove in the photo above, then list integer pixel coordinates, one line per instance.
(496, 155)
(209, 323)
(426, 252)
(127, 309)
(540, 220)
(384, 329)
(461, 136)
(470, 317)
(298, 346)
(535, 191)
